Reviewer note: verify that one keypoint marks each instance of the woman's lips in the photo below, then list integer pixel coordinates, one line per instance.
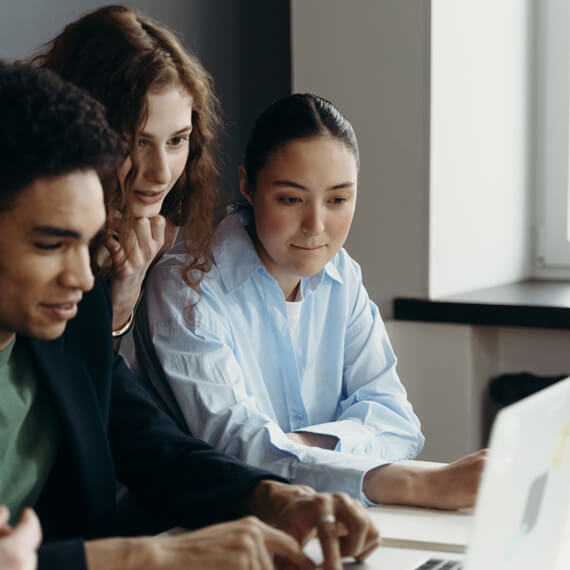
(149, 197)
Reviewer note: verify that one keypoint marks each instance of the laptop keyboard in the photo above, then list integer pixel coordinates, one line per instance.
(437, 564)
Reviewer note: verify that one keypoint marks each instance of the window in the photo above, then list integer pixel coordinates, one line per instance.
(552, 146)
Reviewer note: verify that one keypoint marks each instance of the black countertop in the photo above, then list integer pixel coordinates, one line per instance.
(532, 303)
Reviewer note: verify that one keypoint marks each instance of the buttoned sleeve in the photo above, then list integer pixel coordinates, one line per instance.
(374, 417)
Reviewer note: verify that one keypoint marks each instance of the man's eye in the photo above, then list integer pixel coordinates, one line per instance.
(47, 246)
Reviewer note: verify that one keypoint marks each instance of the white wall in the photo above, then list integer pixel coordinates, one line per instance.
(480, 223)
(371, 58)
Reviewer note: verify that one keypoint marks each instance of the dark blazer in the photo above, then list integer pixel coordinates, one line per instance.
(112, 429)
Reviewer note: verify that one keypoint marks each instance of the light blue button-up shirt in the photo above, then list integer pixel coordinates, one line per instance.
(241, 380)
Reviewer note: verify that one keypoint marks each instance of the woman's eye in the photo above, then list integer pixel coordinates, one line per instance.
(289, 200)
(339, 200)
(141, 143)
(178, 141)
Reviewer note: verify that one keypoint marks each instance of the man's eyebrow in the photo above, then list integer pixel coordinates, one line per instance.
(54, 231)
(290, 183)
(186, 129)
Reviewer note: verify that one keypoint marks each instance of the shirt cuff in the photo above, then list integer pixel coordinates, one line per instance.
(341, 473)
(352, 436)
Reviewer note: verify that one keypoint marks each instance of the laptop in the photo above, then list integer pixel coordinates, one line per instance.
(522, 514)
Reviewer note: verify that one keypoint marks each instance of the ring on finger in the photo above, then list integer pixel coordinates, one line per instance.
(326, 519)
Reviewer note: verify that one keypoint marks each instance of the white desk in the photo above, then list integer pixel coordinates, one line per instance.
(387, 558)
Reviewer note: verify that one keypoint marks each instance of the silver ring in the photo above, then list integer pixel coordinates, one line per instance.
(326, 519)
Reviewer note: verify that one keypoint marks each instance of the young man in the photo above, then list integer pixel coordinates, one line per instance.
(72, 417)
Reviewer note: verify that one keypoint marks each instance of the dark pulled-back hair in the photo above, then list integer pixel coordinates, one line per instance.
(49, 127)
(120, 57)
(293, 117)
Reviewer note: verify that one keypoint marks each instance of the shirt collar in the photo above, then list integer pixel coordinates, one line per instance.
(233, 242)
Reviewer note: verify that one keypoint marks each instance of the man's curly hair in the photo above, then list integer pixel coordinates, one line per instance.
(49, 127)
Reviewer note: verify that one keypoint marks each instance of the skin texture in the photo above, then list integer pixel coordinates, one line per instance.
(45, 265)
(18, 544)
(303, 201)
(453, 486)
(161, 154)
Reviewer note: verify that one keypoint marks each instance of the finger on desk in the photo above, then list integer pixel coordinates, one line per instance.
(330, 546)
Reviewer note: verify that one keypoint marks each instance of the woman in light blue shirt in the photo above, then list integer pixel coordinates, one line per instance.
(282, 359)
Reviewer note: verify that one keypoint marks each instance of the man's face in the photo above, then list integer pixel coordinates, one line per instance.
(44, 253)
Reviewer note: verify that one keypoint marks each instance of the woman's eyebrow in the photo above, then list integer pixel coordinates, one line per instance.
(186, 129)
(347, 184)
(290, 183)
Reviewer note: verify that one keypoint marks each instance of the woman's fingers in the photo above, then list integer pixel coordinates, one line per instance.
(157, 229)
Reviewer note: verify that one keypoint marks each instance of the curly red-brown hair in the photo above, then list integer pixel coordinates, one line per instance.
(119, 57)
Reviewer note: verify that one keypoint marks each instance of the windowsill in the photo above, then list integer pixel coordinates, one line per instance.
(532, 303)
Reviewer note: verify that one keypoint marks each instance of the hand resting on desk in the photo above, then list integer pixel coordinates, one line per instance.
(452, 486)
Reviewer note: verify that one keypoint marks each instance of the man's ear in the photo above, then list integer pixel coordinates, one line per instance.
(244, 186)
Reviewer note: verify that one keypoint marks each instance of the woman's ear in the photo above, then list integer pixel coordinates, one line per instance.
(244, 186)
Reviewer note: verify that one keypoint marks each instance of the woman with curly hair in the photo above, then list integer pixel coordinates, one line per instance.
(161, 100)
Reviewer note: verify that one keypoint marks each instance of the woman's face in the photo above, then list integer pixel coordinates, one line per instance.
(161, 150)
(304, 202)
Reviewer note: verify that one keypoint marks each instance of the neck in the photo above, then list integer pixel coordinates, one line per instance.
(5, 339)
(292, 294)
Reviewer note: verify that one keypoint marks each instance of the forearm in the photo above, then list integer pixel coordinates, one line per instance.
(313, 439)
(124, 304)
(452, 486)
(117, 554)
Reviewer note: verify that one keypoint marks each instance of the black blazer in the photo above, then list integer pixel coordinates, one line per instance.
(112, 429)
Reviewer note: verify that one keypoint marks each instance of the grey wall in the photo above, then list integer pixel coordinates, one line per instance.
(373, 62)
(244, 45)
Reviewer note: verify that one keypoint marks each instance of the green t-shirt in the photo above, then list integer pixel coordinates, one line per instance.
(29, 431)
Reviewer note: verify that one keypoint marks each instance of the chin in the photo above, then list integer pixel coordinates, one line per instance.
(141, 211)
(47, 332)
